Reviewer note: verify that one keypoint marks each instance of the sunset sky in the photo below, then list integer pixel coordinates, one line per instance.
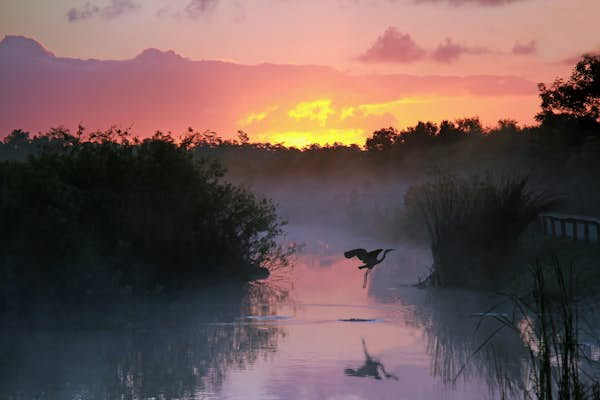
(443, 59)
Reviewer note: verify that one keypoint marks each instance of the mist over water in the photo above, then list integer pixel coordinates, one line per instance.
(308, 332)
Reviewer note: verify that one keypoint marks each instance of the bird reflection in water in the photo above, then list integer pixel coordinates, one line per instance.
(370, 368)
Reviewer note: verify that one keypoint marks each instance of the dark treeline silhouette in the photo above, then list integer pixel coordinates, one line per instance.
(86, 214)
(162, 203)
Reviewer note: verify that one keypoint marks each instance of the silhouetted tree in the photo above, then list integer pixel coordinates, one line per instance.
(16, 145)
(470, 126)
(382, 139)
(448, 132)
(579, 97)
(420, 135)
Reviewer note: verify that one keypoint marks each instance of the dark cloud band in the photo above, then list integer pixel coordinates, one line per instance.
(114, 9)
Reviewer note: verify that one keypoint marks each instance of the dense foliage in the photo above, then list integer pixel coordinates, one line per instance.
(86, 213)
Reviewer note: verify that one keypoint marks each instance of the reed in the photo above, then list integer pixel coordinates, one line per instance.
(550, 322)
(474, 224)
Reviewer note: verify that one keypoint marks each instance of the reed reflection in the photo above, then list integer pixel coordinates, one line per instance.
(464, 339)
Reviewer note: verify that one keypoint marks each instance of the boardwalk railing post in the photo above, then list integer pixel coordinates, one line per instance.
(576, 227)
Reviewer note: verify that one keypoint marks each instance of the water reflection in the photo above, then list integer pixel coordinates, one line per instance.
(180, 348)
(370, 368)
(229, 343)
(464, 338)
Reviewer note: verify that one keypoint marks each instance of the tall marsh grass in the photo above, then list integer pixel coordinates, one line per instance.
(474, 224)
(553, 329)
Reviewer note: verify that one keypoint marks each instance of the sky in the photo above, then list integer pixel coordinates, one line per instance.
(533, 40)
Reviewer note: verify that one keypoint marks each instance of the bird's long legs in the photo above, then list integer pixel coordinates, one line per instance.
(366, 275)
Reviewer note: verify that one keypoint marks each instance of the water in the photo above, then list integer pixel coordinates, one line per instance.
(311, 332)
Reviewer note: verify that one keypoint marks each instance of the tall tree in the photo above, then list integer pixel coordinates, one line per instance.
(577, 98)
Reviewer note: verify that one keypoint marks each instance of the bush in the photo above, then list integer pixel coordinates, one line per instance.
(474, 225)
(106, 211)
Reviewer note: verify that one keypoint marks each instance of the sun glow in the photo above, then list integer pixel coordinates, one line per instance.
(257, 117)
(346, 112)
(390, 106)
(317, 110)
(301, 139)
(341, 120)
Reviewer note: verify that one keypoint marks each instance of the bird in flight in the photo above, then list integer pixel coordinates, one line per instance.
(369, 258)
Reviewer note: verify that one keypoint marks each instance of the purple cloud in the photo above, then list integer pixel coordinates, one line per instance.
(197, 8)
(193, 10)
(449, 51)
(489, 3)
(393, 47)
(525, 48)
(114, 9)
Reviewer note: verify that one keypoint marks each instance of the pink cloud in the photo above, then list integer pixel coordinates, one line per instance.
(162, 90)
(449, 51)
(394, 47)
(525, 48)
(489, 3)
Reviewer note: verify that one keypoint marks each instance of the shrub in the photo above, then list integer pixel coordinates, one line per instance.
(105, 210)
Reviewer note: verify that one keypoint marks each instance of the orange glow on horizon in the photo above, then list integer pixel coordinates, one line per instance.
(254, 117)
(316, 110)
(301, 139)
(324, 120)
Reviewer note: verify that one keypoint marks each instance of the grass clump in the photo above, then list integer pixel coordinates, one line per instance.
(474, 225)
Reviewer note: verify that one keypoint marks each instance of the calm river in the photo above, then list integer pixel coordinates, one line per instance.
(308, 332)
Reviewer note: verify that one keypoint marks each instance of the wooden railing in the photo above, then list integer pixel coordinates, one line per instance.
(576, 227)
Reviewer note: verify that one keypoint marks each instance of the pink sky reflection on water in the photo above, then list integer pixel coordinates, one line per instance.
(316, 348)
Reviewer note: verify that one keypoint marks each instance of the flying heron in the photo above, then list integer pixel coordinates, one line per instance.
(369, 258)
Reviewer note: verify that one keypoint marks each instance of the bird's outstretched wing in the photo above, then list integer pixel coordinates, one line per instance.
(362, 254)
(375, 253)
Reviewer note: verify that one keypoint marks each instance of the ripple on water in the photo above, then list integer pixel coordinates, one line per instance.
(268, 317)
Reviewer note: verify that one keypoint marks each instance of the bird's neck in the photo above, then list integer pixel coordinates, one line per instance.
(383, 255)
